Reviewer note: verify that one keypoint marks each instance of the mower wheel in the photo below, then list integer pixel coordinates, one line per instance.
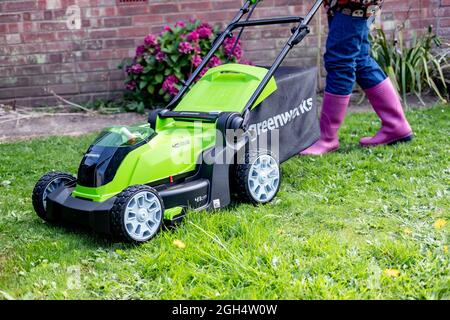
(45, 186)
(258, 177)
(137, 214)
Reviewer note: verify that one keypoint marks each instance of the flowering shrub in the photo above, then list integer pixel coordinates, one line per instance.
(163, 62)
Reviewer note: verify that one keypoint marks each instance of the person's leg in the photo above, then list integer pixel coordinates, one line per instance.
(342, 49)
(384, 99)
(368, 72)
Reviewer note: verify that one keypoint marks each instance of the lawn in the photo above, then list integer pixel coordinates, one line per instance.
(357, 224)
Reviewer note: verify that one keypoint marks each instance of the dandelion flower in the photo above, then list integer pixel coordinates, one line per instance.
(179, 244)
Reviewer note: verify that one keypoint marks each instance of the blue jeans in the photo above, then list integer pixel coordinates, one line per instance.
(347, 59)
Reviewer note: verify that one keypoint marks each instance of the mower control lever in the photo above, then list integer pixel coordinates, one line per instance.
(304, 30)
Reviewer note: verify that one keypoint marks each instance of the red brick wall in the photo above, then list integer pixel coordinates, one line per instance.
(39, 52)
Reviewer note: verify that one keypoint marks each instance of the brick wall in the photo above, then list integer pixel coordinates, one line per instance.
(40, 51)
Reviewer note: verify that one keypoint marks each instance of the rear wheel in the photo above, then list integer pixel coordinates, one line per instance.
(137, 214)
(258, 177)
(44, 187)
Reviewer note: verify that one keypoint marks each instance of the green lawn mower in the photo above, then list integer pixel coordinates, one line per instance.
(133, 180)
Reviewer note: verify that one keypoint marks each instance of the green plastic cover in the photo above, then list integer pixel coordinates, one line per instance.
(226, 88)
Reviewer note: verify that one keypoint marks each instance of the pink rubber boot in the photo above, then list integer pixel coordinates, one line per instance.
(394, 126)
(332, 115)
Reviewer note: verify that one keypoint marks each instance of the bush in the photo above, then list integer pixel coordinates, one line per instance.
(413, 67)
(163, 62)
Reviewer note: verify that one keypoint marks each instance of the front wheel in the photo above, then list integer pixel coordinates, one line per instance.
(44, 187)
(137, 214)
(258, 177)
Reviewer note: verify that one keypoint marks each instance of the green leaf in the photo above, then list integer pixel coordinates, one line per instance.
(142, 84)
(179, 75)
(147, 69)
(159, 78)
(411, 64)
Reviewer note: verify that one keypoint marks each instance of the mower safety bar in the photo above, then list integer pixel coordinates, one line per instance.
(298, 34)
(211, 116)
(235, 24)
(265, 22)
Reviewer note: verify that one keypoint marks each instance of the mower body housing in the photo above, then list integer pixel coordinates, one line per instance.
(170, 159)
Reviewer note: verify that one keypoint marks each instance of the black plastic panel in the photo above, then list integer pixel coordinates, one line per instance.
(100, 164)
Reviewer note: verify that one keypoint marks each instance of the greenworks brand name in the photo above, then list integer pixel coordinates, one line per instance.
(280, 120)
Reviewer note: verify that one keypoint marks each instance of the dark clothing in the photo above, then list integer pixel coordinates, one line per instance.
(355, 8)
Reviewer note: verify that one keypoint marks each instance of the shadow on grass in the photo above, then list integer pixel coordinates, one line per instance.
(86, 236)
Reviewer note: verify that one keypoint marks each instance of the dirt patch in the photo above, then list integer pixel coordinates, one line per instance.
(68, 125)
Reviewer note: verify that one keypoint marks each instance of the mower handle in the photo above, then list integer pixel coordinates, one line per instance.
(298, 34)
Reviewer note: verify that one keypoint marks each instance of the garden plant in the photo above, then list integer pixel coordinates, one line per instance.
(163, 62)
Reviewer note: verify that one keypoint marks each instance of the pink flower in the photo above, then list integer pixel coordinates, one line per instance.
(137, 69)
(193, 36)
(150, 40)
(185, 47)
(140, 51)
(160, 56)
(237, 53)
(169, 85)
(173, 91)
(229, 44)
(204, 31)
(205, 70)
(196, 60)
(197, 49)
(180, 24)
(167, 28)
(172, 79)
(214, 62)
(202, 73)
(131, 85)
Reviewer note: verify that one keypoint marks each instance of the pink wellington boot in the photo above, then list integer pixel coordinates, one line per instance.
(394, 126)
(332, 115)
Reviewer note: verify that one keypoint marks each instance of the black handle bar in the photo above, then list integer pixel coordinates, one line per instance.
(298, 34)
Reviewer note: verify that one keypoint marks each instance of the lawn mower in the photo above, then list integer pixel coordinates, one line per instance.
(135, 179)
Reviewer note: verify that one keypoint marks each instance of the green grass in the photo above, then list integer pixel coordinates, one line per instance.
(340, 223)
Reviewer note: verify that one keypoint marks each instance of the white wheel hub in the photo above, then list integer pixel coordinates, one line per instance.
(143, 216)
(264, 178)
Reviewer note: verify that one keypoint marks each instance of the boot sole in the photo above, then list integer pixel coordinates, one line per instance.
(402, 140)
(406, 139)
(319, 155)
